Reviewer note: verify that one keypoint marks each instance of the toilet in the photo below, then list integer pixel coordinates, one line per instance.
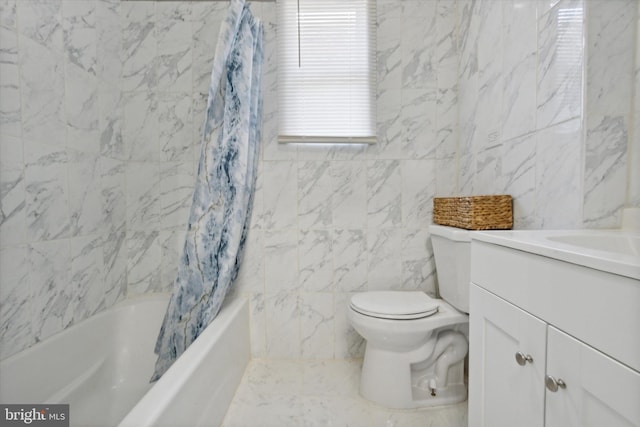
(416, 344)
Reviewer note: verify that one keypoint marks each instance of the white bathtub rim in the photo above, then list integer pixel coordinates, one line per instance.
(57, 368)
(121, 305)
(134, 300)
(148, 410)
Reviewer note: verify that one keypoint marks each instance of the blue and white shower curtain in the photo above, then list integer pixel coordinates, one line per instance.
(223, 195)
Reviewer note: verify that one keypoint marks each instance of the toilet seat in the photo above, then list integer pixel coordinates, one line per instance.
(394, 305)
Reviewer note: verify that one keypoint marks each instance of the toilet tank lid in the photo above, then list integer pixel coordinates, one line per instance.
(394, 302)
(451, 233)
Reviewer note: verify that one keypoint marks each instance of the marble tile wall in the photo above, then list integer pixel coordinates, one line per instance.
(100, 119)
(98, 153)
(611, 29)
(544, 115)
(328, 221)
(167, 47)
(333, 220)
(62, 173)
(633, 189)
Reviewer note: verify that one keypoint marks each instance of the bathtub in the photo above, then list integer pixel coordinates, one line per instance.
(101, 368)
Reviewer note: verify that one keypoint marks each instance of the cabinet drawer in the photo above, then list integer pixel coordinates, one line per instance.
(575, 299)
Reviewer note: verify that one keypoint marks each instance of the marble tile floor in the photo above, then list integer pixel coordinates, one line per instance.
(315, 393)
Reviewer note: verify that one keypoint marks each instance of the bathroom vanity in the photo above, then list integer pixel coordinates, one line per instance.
(555, 329)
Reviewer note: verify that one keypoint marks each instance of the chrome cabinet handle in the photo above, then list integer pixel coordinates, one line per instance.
(522, 358)
(553, 384)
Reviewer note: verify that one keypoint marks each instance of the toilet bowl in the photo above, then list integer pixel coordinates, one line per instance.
(416, 344)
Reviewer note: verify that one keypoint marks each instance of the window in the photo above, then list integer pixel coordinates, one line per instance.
(327, 71)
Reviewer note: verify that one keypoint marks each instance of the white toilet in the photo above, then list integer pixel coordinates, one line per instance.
(416, 344)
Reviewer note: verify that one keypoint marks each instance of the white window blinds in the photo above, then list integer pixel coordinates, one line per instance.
(327, 70)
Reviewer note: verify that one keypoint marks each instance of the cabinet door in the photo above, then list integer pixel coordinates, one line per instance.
(502, 392)
(598, 391)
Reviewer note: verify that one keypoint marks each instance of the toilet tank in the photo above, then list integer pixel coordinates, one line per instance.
(452, 251)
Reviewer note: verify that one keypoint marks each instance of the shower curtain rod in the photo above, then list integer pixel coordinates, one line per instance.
(250, 1)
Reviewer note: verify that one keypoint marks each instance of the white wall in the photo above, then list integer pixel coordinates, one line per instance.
(545, 108)
(106, 104)
(609, 70)
(633, 176)
(327, 220)
(100, 116)
(61, 187)
(330, 221)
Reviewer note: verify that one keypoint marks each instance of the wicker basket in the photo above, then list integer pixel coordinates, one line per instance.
(475, 212)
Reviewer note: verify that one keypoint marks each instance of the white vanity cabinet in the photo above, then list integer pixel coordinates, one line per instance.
(598, 391)
(501, 391)
(532, 367)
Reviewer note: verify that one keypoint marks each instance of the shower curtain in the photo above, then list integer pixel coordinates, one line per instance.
(223, 195)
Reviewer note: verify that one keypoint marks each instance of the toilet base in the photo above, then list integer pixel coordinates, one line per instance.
(403, 380)
(454, 393)
(417, 397)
